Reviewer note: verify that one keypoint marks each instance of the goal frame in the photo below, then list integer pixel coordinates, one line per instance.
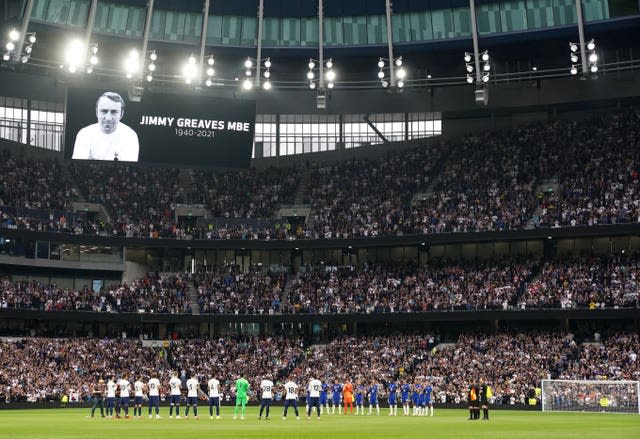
(636, 383)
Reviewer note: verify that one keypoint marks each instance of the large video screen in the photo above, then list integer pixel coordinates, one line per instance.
(162, 128)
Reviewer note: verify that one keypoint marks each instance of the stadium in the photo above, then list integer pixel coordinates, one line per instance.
(279, 218)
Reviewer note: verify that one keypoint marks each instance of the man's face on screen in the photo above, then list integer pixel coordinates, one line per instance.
(109, 113)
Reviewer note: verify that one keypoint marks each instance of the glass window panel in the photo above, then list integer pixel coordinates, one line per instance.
(102, 16)
(442, 22)
(39, 11)
(564, 12)
(231, 30)
(376, 27)
(489, 18)
(401, 27)
(78, 12)
(174, 27)
(422, 27)
(249, 31)
(214, 29)
(117, 22)
(333, 32)
(309, 32)
(158, 20)
(461, 22)
(595, 9)
(513, 15)
(271, 31)
(290, 32)
(135, 22)
(192, 27)
(58, 11)
(540, 14)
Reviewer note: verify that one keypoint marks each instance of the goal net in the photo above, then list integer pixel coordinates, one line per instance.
(591, 396)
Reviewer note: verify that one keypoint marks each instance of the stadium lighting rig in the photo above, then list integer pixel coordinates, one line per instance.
(386, 72)
(190, 71)
(262, 68)
(13, 43)
(313, 75)
(590, 63)
(210, 71)
(153, 57)
(77, 55)
(485, 68)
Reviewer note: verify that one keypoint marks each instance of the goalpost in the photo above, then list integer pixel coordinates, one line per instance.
(591, 396)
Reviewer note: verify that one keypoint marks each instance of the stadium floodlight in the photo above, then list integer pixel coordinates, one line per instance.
(485, 78)
(469, 68)
(6, 56)
(469, 79)
(25, 58)
(467, 57)
(247, 72)
(211, 71)
(310, 75)
(574, 70)
(380, 74)
(312, 85)
(594, 68)
(329, 63)
(384, 83)
(132, 63)
(485, 56)
(14, 35)
(149, 78)
(380, 63)
(89, 70)
(331, 76)
(311, 65)
(248, 63)
(593, 58)
(32, 38)
(401, 73)
(208, 82)
(94, 49)
(153, 56)
(28, 49)
(266, 85)
(74, 54)
(190, 69)
(574, 58)
(152, 67)
(211, 61)
(247, 84)
(398, 61)
(11, 46)
(400, 84)
(486, 67)
(267, 74)
(330, 85)
(267, 63)
(591, 45)
(573, 47)
(93, 60)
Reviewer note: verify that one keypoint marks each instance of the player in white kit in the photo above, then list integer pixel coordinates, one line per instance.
(154, 395)
(266, 385)
(138, 389)
(174, 395)
(193, 388)
(214, 397)
(111, 396)
(291, 398)
(315, 386)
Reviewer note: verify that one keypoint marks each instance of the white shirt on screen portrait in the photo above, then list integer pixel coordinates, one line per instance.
(93, 144)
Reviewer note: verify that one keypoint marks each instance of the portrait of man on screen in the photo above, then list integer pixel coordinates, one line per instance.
(109, 138)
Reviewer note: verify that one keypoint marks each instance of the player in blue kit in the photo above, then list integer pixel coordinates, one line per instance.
(336, 394)
(428, 391)
(373, 397)
(415, 398)
(404, 396)
(392, 398)
(360, 399)
(324, 402)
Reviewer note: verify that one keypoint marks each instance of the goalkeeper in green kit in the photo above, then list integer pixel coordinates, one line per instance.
(242, 387)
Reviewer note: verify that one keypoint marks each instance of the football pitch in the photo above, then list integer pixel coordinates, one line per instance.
(73, 423)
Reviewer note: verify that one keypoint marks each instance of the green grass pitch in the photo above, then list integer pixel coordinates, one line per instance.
(73, 423)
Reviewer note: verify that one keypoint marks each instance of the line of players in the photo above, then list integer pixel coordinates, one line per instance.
(322, 396)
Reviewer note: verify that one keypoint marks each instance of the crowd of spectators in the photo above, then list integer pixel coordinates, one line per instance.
(380, 289)
(230, 291)
(586, 283)
(486, 182)
(154, 293)
(593, 282)
(38, 369)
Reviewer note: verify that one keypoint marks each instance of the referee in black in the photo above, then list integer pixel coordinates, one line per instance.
(474, 399)
(484, 400)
